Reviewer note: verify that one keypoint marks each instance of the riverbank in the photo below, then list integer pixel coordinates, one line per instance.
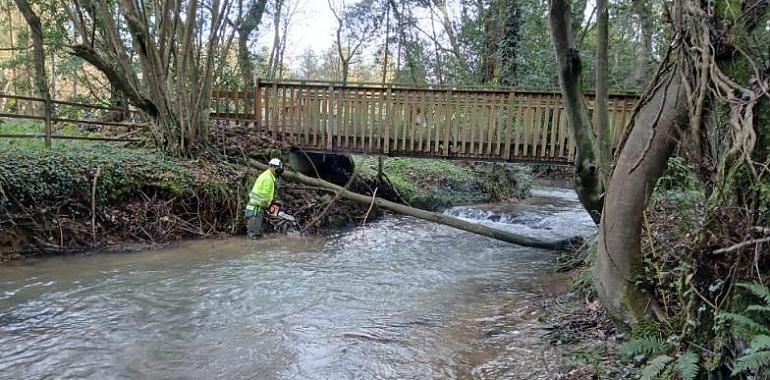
(80, 197)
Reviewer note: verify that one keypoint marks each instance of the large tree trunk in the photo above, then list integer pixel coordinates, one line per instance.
(587, 182)
(601, 110)
(643, 11)
(41, 78)
(249, 24)
(640, 164)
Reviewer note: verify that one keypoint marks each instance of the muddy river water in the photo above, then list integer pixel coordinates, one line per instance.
(397, 299)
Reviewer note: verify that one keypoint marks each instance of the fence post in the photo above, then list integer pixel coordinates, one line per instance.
(257, 105)
(388, 120)
(48, 119)
(331, 122)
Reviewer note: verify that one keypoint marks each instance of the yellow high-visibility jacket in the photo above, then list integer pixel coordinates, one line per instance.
(263, 191)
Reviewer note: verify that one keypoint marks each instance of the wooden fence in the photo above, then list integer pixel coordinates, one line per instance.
(445, 123)
(82, 114)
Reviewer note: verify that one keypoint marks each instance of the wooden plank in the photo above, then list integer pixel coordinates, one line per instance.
(438, 122)
(425, 122)
(413, 122)
(536, 125)
(308, 120)
(366, 135)
(531, 126)
(457, 122)
(563, 132)
(547, 114)
(555, 127)
(490, 124)
(266, 126)
(353, 114)
(509, 121)
(299, 131)
(330, 127)
(257, 105)
(466, 122)
(398, 124)
(284, 122)
(420, 122)
(360, 120)
(526, 117)
(499, 123)
(473, 125)
(388, 120)
(275, 111)
(314, 109)
(448, 123)
(345, 133)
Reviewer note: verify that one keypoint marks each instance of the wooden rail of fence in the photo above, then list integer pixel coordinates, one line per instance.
(450, 123)
(64, 112)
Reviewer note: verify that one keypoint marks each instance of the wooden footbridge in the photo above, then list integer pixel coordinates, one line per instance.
(494, 125)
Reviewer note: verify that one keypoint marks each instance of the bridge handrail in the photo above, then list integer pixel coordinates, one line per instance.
(428, 88)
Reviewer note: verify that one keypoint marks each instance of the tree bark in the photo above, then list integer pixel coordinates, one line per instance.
(429, 216)
(41, 77)
(601, 109)
(587, 182)
(248, 25)
(644, 50)
(640, 164)
(449, 29)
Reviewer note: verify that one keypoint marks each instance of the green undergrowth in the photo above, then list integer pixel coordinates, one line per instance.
(25, 127)
(713, 309)
(35, 176)
(439, 184)
(62, 199)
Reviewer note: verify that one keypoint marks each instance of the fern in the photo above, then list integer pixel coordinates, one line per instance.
(687, 365)
(758, 290)
(655, 367)
(754, 361)
(757, 361)
(743, 321)
(760, 342)
(646, 345)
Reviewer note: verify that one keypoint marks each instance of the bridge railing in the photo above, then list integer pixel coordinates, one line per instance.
(452, 123)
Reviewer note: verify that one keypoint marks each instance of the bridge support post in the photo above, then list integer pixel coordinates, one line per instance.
(330, 125)
(257, 105)
(388, 120)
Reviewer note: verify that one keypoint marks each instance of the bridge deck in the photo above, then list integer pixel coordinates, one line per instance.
(441, 123)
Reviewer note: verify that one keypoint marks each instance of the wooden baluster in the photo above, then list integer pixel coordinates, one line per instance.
(509, 120)
(555, 125)
(448, 145)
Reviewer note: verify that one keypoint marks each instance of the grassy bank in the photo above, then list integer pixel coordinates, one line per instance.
(439, 184)
(68, 199)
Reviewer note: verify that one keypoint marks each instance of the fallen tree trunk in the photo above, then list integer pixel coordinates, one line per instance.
(430, 216)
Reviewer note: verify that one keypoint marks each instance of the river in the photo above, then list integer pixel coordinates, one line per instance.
(397, 298)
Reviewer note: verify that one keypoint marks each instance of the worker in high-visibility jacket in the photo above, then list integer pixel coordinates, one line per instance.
(261, 197)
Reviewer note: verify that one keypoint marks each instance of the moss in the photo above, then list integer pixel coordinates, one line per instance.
(35, 177)
(438, 184)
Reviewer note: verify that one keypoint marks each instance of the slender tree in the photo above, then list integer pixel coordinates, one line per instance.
(174, 43)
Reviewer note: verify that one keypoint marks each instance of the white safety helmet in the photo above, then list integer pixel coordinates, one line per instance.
(275, 162)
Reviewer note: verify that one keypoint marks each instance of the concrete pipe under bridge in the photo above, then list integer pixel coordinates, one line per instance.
(334, 168)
